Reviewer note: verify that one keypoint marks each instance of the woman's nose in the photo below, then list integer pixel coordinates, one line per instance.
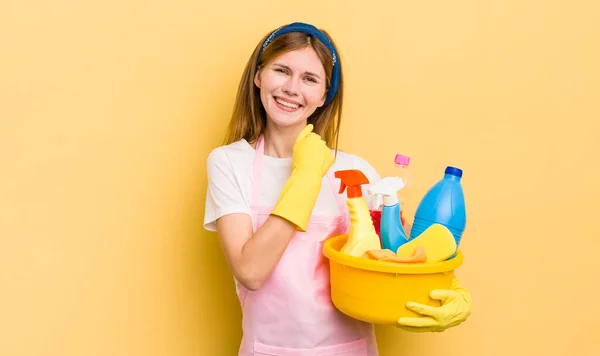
(290, 87)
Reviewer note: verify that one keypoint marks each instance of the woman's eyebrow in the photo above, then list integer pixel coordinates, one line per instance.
(288, 68)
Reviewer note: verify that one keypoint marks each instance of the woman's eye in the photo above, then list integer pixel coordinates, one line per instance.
(311, 79)
(280, 70)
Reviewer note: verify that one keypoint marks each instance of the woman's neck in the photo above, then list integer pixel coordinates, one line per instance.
(280, 143)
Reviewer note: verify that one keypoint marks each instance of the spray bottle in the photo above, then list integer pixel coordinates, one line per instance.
(401, 163)
(392, 233)
(362, 236)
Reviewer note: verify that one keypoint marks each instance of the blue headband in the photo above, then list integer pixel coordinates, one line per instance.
(313, 31)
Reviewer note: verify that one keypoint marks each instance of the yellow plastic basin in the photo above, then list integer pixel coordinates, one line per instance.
(377, 291)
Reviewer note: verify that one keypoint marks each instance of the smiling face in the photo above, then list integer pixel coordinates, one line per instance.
(292, 87)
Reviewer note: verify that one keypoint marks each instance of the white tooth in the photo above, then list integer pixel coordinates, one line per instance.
(285, 103)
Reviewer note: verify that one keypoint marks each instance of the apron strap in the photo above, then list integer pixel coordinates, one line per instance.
(257, 172)
(257, 179)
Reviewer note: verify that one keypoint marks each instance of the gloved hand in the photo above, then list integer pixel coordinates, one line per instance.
(311, 159)
(455, 308)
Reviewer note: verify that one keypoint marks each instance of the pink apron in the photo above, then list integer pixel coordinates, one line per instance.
(292, 313)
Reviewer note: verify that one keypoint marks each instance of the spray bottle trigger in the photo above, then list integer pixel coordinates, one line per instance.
(388, 188)
(377, 201)
(353, 179)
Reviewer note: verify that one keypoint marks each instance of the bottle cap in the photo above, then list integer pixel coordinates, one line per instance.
(454, 171)
(402, 159)
(352, 178)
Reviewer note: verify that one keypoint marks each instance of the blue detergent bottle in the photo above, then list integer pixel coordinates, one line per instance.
(391, 230)
(443, 204)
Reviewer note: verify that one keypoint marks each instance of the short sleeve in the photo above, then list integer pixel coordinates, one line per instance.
(224, 195)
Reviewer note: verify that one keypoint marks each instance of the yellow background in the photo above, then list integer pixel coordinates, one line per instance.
(108, 110)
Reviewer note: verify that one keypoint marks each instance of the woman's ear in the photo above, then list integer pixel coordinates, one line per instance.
(323, 99)
(257, 78)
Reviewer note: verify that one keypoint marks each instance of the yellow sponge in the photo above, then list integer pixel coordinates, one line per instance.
(437, 240)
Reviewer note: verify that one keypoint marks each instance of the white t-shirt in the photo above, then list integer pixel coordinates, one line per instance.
(230, 175)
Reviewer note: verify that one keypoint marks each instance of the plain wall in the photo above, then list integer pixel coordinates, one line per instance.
(109, 109)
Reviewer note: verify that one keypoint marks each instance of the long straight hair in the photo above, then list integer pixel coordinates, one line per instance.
(249, 118)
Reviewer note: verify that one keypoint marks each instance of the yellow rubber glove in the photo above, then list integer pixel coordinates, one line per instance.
(311, 159)
(455, 308)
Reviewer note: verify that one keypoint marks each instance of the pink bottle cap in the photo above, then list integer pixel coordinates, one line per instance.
(402, 159)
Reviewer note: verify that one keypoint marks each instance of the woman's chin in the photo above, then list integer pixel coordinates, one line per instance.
(285, 122)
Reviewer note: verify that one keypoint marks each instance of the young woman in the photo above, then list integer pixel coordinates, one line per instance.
(273, 200)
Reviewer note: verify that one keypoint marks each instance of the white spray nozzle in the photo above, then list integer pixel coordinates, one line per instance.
(377, 201)
(388, 188)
